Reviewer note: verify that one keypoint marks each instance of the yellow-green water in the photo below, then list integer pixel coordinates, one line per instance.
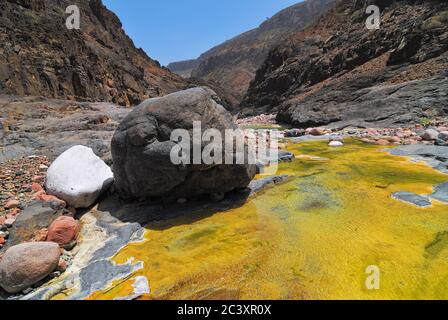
(310, 238)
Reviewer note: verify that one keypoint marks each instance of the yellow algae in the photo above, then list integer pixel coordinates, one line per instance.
(312, 237)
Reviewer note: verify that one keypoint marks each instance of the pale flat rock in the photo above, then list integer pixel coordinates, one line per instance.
(79, 177)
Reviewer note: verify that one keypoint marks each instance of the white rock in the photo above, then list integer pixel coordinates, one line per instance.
(79, 177)
(336, 144)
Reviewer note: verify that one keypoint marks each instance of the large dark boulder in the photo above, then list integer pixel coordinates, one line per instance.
(141, 149)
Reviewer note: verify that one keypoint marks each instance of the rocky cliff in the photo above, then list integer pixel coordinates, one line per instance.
(98, 62)
(232, 65)
(338, 70)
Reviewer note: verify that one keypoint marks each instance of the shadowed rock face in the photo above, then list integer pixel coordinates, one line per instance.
(141, 149)
(338, 70)
(99, 62)
(232, 64)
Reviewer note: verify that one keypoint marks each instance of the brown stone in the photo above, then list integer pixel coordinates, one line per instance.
(382, 142)
(316, 131)
(41, 235)
(64, 231)
(36, 187)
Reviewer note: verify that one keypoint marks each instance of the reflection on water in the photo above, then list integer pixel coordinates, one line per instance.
(310, 238)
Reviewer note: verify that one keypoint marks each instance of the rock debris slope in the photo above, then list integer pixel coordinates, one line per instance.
(337, 70)
(99, 62)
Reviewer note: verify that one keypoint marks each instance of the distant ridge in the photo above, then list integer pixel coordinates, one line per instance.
(232, 64)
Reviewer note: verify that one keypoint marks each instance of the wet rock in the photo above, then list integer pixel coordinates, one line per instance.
(316, 131)
(412, 198)
(435, 156)
(259, 185)
(26, 264)
(294, 133)
(63, 231)
(285, 156)
(441, 193)
(141, 149)
(78, 177)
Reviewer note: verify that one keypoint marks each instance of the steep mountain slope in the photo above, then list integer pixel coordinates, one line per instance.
(40, 56)
(184, 68)
(232, 65)
(338, 70)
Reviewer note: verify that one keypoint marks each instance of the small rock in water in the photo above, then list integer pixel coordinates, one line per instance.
(335, 144)
(294, 133)
(26, 264)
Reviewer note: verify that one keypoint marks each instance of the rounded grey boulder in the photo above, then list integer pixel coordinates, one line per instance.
(141, 149)
(26, 264)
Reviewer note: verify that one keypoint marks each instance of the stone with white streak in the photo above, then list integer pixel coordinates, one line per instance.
(79, 177)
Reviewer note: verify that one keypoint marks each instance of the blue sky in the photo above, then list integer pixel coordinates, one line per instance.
(173, 30)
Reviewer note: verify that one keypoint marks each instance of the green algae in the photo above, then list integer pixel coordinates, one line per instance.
(310, 238)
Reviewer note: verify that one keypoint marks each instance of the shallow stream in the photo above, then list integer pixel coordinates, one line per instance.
(311, 237)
